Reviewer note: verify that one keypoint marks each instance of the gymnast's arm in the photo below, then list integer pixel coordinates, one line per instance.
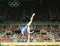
(29, 31)
(32, 32)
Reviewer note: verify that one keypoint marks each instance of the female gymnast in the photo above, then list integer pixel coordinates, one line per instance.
(26, 29)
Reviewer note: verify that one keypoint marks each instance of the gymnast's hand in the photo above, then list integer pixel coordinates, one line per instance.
(32, 31)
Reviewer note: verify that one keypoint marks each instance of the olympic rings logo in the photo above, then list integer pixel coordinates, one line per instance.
(13, 3)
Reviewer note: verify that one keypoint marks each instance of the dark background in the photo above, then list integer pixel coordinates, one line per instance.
(46, 10)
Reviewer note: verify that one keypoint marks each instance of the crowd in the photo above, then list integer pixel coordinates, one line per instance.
(47, 34)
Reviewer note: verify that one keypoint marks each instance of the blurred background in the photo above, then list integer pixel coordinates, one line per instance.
(14, 14)
(19, 10)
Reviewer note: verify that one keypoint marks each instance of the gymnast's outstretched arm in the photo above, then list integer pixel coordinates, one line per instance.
(28, 30)
(32, 32)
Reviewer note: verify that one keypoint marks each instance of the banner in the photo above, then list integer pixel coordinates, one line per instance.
(14, 3)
